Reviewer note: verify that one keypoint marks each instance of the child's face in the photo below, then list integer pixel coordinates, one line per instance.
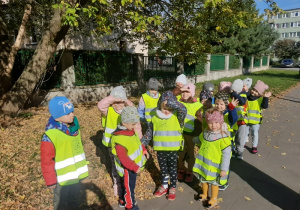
(153, 92)
(245, 87)
(179, 85)
(164, 109)
(220, 105)
(185, 95)
(254, 92)
(67, 119)
(129, 126)
(213, 126)
(118, 105)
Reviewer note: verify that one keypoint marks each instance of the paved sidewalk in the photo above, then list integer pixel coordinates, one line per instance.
(267, 180)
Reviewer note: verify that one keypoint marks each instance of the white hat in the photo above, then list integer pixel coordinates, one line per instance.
(181, 79)
(119, 92)
(237, 85)
(248, 82)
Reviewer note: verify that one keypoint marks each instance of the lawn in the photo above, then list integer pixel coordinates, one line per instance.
(21, 183)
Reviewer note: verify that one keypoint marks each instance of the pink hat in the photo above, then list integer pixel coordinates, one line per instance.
(189, 88)
(261, 87)
(224, 86)
(216, 116)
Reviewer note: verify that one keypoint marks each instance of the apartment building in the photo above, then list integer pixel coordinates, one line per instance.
(287, 24)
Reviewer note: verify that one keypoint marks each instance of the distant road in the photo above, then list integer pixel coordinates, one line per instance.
(289, 69)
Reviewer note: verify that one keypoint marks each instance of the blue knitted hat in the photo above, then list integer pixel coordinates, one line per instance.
(60, 106)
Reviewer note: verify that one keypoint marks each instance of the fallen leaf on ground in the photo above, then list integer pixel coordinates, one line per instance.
(180, 189)
(259, 155)
(191, 202)
(247, 198)
(268, 143)
(276, 147)
(283, 167)
(283, 153)
(220, 199)
(292, 134)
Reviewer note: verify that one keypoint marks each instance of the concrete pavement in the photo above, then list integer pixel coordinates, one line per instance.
(267, 180)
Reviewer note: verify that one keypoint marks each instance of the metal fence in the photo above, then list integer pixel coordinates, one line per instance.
(159, 67)
(50, 80)
(256, 62)
(217, 62)
(247, 61)
(265, 61)
(194, 69)
(100, 67)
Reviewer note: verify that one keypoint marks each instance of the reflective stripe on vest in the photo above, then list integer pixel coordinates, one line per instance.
(112, 121)
(254, 111)
(189, 120)
(209, 159)
(167, 134)
(150, 105)
(134, 149)
(70, 161)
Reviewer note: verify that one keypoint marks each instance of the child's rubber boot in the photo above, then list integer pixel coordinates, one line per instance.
(254, 150)
(189, 177)
(214, 196)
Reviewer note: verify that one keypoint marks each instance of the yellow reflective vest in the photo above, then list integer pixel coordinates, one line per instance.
(111, 122)
(190, 117)
(167, 134)
(242, 111)
(209, 158)
(70, 161)
(254, 111)
(134, 151)
(150, 105)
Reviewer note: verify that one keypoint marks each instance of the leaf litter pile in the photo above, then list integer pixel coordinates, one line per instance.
(21, 182)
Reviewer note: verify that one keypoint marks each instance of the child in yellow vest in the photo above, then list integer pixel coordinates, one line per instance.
(189, 131)
(166, 129)
(212, 162)
(111, 108)
(257, 100)
(148, 102)
(129, 156)
(62, 156)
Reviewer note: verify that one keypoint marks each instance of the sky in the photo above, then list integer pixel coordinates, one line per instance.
(283, 4)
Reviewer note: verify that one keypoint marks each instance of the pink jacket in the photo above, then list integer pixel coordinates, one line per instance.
(105, 103)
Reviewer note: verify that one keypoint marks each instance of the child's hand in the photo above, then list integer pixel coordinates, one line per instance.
(138, 171)
(234, 102)
(268, 94)
(223, 173)
(147, 155)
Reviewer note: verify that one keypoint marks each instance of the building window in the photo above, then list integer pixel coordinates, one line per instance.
(277, 26)
(286, 15)
(298, 34)
(284, 25)
(282, 35)
(292, 24)
(298, 24)
(291, 34)
(286, 35)
(296, 14)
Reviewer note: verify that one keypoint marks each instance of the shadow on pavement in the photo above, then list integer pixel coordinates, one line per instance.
(289, 99)
(269, 188)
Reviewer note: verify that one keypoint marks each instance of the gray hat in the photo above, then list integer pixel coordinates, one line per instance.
(153, 84)
(119, 92)
(237, 85)
(209, 86)
(248, 82)
(130, 115)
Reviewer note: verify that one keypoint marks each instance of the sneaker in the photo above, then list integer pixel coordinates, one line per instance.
(160, 191)
(254, 150)
(122, 203)
(180, 175)
(223, 187)
(189, 177)
(133, 208)
(172, 194)
(239, 156)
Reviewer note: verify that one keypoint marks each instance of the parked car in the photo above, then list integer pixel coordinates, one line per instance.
(288, 63)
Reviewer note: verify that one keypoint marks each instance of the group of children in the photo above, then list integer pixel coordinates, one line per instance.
(175, 121)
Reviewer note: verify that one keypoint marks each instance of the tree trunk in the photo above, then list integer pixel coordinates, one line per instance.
(15, 99)
(6, 74)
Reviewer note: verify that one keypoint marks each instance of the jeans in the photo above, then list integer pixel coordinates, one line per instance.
(254, 134)
(241, 137)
